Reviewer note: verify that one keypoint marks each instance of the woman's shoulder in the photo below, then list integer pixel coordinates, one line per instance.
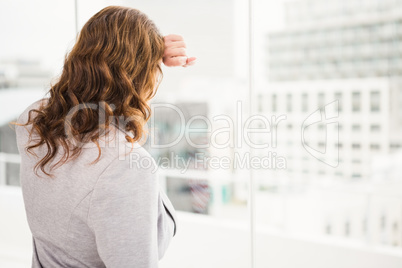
(129, 169)
(125, 153)
(22, 130)
(135, 156)
(23, 117)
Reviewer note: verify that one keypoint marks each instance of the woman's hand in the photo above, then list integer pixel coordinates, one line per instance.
(175, 52)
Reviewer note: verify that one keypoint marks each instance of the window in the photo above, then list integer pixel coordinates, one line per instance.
(383, 221)
(347, 228)
(375, 147)
(260, 103)
(338, 97)
(304, 102)
(356, 146)
(395, 145)
(303, 69)
(375, 128)
(395, 231)
(321, 100)
(321, 144)
(356, 127)
(274, 103)
(356, 101)
(289, 102)
(328, 228)
(375, 101)
(364, 225)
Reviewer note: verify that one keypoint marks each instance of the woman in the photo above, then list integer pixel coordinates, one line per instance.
(87, 204)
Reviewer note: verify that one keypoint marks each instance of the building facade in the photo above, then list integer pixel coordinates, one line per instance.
(334, 72)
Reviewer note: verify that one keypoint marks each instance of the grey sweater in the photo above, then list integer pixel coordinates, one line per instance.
(108, 214)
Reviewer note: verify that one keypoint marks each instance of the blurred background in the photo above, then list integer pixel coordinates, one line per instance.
(331, 70)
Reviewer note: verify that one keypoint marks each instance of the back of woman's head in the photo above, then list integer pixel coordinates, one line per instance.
(115, 61)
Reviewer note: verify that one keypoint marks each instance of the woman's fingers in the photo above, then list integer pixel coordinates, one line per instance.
(175, 53)
(176, 44)
(190, 61)
(172, 38)
(175, 61)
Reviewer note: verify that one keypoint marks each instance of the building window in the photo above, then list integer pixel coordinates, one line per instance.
(321, 100)
(328, 228)
(375, 147)
(304, 102)
(375, 128)
(395, 146)
(274, 102)
(356, 146)
(288, 102)
(395, 230)
(365, 225)
(383, 222)
(260, 103)
(375, 101)
(347, 228)
(321, 144)
(338, 145)
(356, 127)
(338, 97)
(356, 101)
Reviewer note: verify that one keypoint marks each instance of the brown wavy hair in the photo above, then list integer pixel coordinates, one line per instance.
(115, 61)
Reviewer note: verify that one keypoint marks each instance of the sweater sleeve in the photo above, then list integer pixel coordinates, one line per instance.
(167, 223)
(127, 214)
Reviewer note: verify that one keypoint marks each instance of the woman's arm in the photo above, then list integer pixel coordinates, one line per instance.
(130, 228)
(167, 223)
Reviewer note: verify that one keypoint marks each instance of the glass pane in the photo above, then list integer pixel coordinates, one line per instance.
(193, 128)
(338, 200)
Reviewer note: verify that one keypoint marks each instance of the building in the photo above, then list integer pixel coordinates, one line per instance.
(334, 72)
(344, 51)
(337, 39)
